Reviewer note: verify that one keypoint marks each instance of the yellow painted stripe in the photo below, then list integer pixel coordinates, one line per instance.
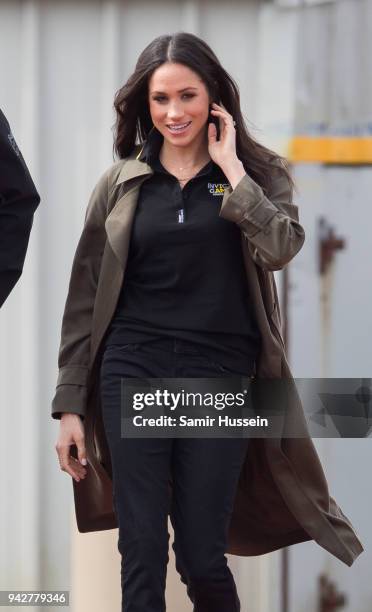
(330, 150)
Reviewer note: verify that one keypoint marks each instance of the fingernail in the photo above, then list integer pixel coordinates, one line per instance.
(84, 461)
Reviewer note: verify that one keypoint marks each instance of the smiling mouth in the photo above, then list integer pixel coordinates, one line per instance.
(178, 127)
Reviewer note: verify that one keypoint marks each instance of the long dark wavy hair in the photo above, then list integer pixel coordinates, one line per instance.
(133, 119)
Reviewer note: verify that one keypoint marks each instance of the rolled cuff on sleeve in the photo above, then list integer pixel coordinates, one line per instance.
(71, 392)
(73, 375)
(69, 398)
(271, 225)
(244, 204)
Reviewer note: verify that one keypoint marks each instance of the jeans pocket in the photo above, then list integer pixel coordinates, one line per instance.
(221, 368)
(121, 348)
(113, 355)
(231, 371)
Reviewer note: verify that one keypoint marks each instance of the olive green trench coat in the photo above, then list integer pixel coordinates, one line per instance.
(282, 496)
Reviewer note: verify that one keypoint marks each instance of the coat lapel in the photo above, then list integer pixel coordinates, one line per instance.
(121, 210)
(119, 221)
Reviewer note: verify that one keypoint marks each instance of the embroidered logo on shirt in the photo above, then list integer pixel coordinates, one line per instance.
(217, 189)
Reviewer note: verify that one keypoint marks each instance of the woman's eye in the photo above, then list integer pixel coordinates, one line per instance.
(163, 98)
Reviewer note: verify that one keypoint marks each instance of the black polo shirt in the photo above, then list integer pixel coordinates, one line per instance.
(185, 276)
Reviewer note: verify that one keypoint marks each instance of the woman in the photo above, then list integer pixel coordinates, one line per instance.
(187, 216)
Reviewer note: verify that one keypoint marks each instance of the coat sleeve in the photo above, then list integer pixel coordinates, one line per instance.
(270, 225)
(74, 352)
(18, 202)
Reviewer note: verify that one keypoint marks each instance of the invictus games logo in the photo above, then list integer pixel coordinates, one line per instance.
(217, 189)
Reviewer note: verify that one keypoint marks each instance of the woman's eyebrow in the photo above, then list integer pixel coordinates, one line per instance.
(179, 91)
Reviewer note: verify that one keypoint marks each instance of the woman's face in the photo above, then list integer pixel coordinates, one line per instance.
(179, 104)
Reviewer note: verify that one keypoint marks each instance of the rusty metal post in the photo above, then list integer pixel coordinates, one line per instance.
(330, 599)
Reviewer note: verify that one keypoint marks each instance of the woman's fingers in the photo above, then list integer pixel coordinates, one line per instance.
(71, 433)
(76, 468)
(212, 133)
(67, 463)
(226, 117)
(80, 443)
(70, 465)
(220, 110)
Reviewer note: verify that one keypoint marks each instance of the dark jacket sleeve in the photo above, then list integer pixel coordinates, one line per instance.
(18, 202)
(74, 351)
(270, 224)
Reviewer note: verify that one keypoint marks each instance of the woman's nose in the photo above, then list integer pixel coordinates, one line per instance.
(174, 113)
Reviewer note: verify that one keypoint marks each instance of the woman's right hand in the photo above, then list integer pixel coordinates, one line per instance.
(71, 432)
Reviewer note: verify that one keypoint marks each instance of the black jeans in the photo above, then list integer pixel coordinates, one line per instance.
(204, 475)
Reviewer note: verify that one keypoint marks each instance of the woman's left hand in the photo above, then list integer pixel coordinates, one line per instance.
(223, 151)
